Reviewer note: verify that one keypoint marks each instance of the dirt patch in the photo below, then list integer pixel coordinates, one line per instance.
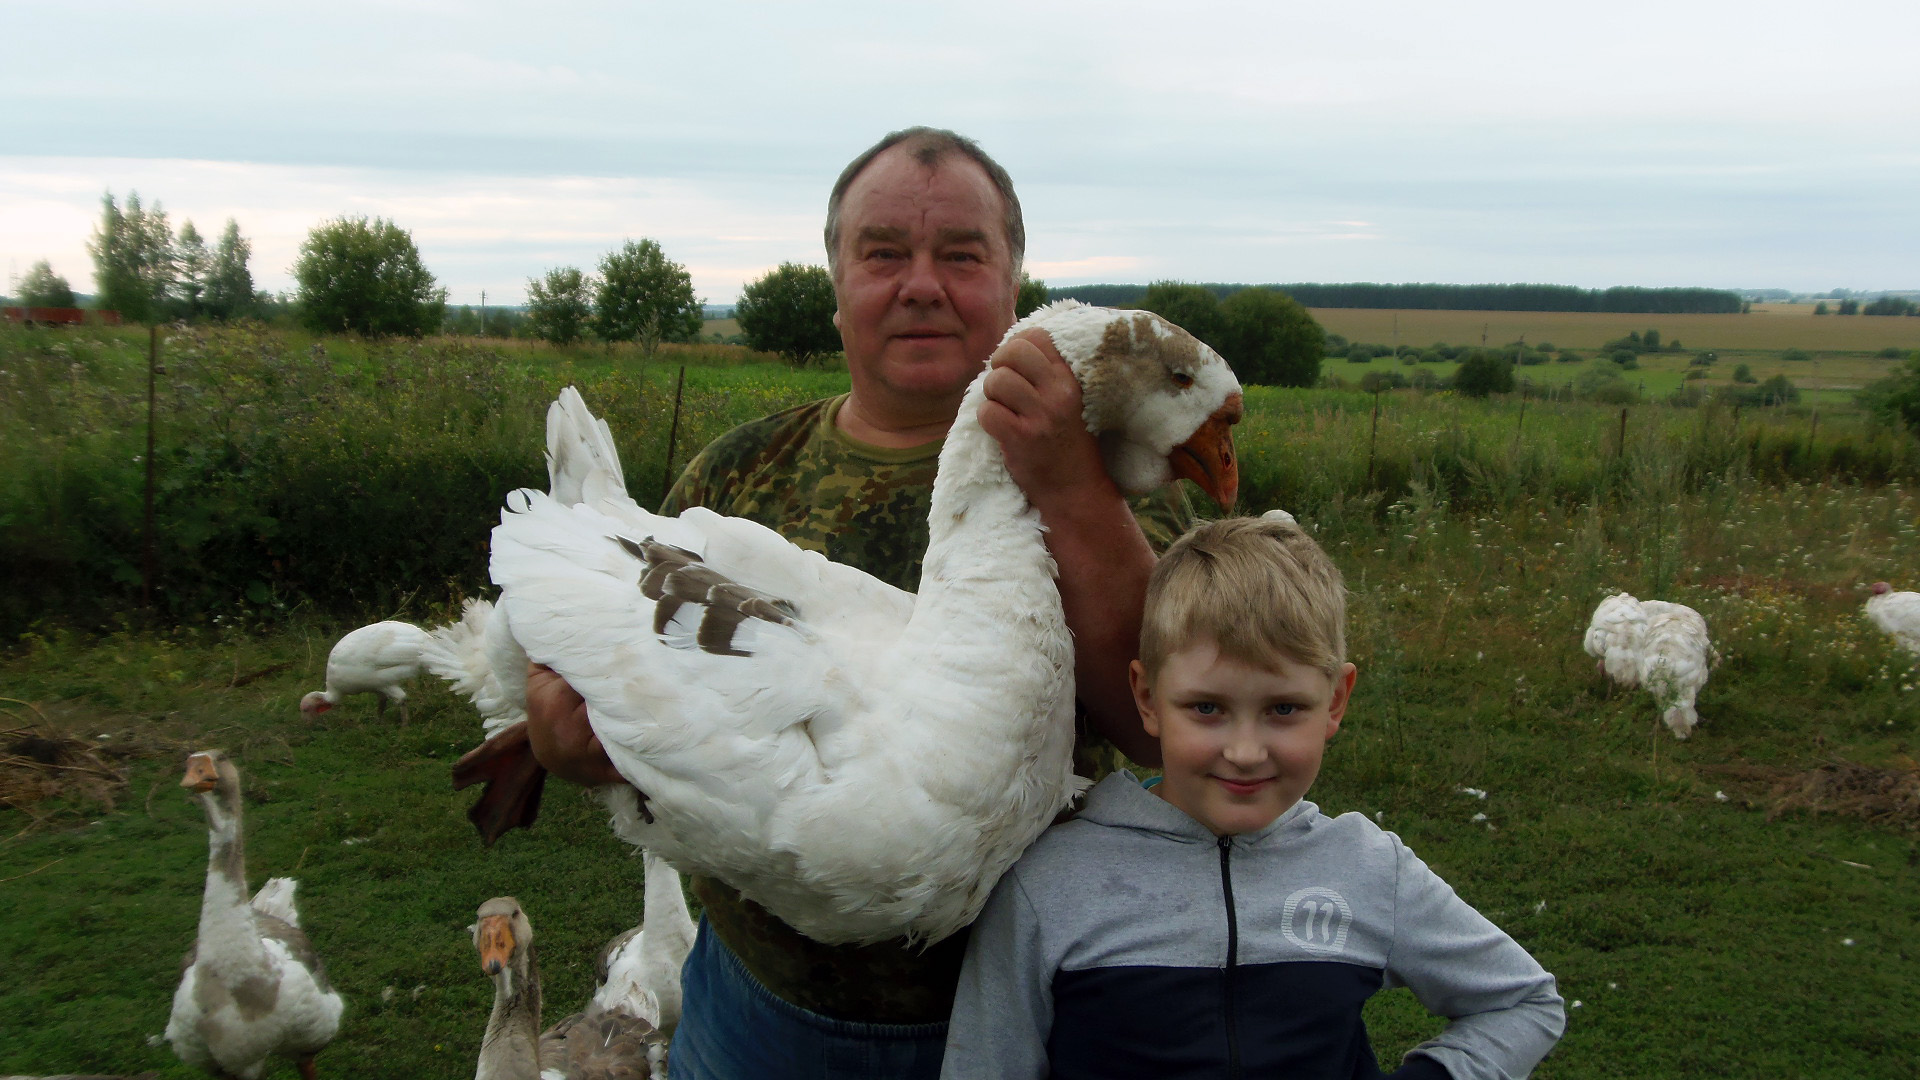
(37, 765)
(1883, 796)
(1889, 796)
(44, 765)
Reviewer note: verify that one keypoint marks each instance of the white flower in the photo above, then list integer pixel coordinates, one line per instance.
(1478, 817)
(1578, 1003)
(1720, 796)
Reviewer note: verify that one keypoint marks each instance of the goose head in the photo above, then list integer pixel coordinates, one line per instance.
(1160, 401)
(503, 936)
(315, 703)
(1881, 588)
(210, 771)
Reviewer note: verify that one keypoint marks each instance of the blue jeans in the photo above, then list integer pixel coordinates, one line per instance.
(733, 1028)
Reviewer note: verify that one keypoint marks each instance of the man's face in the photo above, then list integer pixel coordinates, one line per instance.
(924, 278)
(1240, 744)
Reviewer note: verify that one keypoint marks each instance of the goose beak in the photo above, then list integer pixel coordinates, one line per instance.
(201, 774)
(496, 943)
(1207, 458)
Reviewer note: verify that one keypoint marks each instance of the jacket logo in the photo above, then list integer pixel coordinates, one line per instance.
(1317, 919)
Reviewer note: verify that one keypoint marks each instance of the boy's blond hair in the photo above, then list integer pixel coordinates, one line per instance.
(1259, 588)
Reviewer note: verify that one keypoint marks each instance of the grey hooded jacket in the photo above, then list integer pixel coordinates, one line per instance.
(1131, 941)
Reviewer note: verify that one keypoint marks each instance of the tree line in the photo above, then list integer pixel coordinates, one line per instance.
(1626, 299)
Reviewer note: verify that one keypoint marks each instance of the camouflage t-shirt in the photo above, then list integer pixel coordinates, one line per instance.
(800, 475)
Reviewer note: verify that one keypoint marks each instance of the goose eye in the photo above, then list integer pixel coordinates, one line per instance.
(1182, 379)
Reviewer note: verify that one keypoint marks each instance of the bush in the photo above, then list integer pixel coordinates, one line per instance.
(1704, 359)
(1433, 356)
(1270, 340)
(1626, 358)
(1795, 355)
(365, 276)
(790, 312)
(646, 297)
(1484, 373)
(1889, 353)
(560, 305)
(1743, 373)
(1359, 354)
(1889, 305)
(1193, 308)
(1568, 356)
(1376, 381)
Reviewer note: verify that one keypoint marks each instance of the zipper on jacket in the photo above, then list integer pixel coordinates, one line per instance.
(1233, 954)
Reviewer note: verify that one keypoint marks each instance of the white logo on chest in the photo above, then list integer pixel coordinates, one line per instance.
(1317, 919)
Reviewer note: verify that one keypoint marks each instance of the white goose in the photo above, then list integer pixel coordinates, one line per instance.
(1661, 646)
(252, 987)
(1897, 613)
(374, 659)
(861, 762)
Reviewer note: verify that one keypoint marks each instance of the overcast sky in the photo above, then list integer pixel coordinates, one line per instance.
(1756, 144)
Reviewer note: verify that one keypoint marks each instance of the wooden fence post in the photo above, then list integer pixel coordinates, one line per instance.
(1373, 439)
(673, 431)
(148, 559)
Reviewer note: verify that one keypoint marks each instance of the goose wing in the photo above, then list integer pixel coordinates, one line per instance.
(719, 662)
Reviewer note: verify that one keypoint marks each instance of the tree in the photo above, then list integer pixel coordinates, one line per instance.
(1820, 308)
(1849, 307)
(790, 311)
(1889, 305)
(1193, 308)
(645, 296)
(559, 306)
(1484, 373)
(191, 262)
(229, 284)
(132, 259)
(1031, 298)
(366, 276)
(44, 288)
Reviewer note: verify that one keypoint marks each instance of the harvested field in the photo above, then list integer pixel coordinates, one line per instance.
(1766, 327)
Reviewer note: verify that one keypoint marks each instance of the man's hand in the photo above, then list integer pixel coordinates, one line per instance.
(1033, 410)
(557, 729)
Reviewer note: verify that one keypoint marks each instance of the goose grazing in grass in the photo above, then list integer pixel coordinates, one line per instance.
(861, 761)
(1896, 613)
(1660, 646)
(374, 659)
(252, 988)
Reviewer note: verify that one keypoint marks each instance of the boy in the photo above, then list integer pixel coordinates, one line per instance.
(1218, 925)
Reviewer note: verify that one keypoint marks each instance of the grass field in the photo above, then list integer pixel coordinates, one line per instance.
(1720, 906)
(1700, 934)
(1768, 327)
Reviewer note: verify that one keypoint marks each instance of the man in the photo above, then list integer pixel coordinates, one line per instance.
(925, 242)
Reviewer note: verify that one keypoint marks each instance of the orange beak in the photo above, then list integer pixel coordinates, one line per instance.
(1207, 458)
(201, 774)
(496, 943)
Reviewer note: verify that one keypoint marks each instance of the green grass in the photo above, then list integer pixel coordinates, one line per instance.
(1702, 936)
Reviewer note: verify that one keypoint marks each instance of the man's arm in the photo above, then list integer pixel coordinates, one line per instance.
(1034, 411)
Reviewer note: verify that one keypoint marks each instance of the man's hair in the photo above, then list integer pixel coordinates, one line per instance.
(929, 146)
(1261, 589)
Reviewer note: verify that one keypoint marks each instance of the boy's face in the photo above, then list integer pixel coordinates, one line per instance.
(1241, 744)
